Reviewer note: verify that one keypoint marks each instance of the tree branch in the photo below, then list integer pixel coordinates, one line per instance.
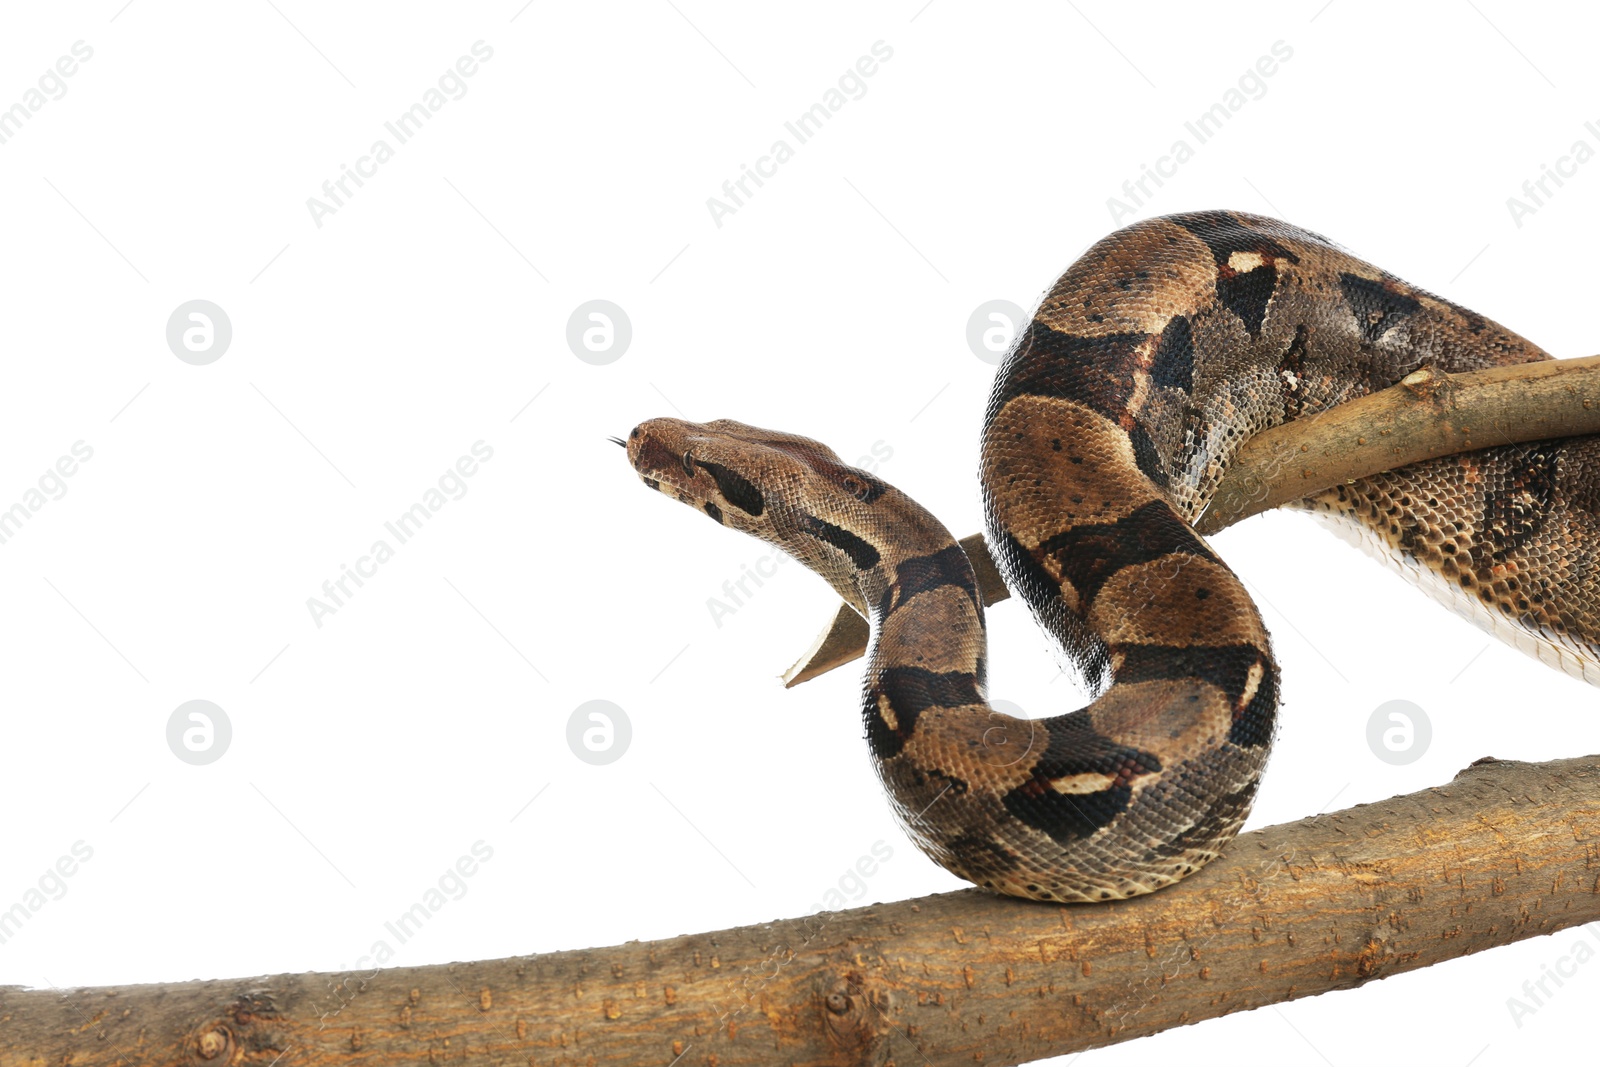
(1429, 414)
(1502, 853)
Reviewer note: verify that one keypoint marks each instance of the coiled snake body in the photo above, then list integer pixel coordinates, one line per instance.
(1147, 365)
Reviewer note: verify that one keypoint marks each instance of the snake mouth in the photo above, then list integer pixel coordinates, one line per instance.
(662, 452)
(704, 466)
(658, 456)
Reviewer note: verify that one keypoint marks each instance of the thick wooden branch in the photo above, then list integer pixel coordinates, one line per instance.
(1429, 414)
(1504, 852)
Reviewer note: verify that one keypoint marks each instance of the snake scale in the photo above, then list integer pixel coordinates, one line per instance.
(1148, 363)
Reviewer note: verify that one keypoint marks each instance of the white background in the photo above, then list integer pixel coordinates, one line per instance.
(429, 312)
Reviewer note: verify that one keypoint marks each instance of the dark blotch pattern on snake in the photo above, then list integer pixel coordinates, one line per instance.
(1147, 365)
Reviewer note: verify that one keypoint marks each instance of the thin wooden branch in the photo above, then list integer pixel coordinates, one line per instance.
(1500, 854)
(1429, 414)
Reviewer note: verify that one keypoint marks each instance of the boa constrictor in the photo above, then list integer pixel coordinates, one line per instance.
(1147, 365)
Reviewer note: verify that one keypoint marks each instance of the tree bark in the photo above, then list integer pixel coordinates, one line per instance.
(1504, 852)
(1427, 415)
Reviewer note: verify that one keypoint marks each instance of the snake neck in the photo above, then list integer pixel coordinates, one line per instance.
(928, 650)
(904, 572)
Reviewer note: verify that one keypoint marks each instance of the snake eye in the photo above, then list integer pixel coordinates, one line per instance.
(688, 463)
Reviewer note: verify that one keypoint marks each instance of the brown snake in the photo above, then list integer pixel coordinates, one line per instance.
(1146, 366)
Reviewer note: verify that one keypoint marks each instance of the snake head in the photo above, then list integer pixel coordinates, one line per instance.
(745, 472)
(717, 467)
(785, 489)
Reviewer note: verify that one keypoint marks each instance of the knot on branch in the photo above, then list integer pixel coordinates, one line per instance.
(215, 1044)
(245, 1026)
(854, 1017)
(1426, 382)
